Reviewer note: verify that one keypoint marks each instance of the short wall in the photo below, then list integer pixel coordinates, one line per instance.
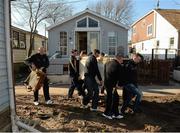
(60, 79)
(5, 120)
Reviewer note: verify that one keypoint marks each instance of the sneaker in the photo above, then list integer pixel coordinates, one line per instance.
(85, 106)
(36, 103)
(117, 117)
(94, 110)
(107, 116)
(49, 102)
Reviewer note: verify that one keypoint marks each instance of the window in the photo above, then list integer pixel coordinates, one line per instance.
(142, 46)
(112, 40)
(149, 30)
(65, 69)
(171, 42)
(22, 39)
(82, 23)
(134, 30)
(87, 22)
(157, 43)
(43, 43)
(63, 43)
(92, 23)
(15, 39)
(19, 40)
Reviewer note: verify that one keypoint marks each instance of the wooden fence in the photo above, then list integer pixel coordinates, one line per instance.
(154, 71)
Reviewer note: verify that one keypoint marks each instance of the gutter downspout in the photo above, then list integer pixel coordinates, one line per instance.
(9, 64)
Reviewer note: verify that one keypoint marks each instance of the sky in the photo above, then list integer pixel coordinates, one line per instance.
(141, 7)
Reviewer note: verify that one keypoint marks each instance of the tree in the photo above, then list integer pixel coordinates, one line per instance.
(118, 10)
(35, 12)
(58, 12)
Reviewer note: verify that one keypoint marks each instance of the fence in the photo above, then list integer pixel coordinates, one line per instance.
(154, 71)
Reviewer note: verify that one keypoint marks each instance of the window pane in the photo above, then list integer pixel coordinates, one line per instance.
(112, 50)
(92, 23)
(22, 38)
(63, 43)
(82, 23)
(15, 39)
(149, 29)
(171, 41)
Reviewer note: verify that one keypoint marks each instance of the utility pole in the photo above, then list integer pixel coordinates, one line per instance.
(158, 4)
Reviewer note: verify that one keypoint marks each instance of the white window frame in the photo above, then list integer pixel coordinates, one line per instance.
(171, 45)
(63, 46)
(87, 22)
(149, 34)
(115, 42)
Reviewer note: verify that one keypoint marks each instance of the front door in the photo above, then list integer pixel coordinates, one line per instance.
(87, 41)
(93, 41)
(81, 38)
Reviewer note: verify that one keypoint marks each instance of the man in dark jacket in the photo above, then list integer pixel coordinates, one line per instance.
(91, 71)
(131, 88)
(74, 74)
(112, 74)
(41, 61)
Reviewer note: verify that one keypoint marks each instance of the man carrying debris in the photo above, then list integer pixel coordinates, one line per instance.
(91, 71)
(112, 74)
(41, 61)
(74, 74)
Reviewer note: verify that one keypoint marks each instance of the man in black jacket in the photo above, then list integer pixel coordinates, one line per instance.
(74, 74)
(112, 74)
(131, 88)
(91, 71)
(41, 61)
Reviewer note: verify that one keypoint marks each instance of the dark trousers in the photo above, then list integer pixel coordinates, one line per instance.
(112, 102)
(75, 83)
(129, 91)
(45, 91)
(92, 92)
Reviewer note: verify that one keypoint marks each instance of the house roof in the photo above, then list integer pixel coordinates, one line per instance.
(25, 31)
(91, 12)
(171, 15)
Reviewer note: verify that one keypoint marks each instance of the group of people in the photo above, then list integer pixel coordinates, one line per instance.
(117, 74)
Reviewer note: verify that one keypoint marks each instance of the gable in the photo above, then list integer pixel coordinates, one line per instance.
(90, 13)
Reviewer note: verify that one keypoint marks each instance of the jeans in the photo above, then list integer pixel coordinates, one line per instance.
(92, 92)
(75, 83)
(45, 91)
(112, 102)
(131, 90)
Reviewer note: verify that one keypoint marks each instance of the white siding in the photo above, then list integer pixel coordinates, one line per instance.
(164, 31)
(4, 95)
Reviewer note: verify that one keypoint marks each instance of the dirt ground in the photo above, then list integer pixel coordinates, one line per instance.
(160, 113)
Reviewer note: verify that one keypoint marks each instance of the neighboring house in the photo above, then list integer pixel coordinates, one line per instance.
(158, 29)
(86, 30)
(21, 42)
(5, 68)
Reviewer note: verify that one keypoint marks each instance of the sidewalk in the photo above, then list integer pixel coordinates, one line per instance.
(154, 90)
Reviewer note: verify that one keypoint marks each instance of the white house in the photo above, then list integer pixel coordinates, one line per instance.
(159, 30)
(86, 30)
